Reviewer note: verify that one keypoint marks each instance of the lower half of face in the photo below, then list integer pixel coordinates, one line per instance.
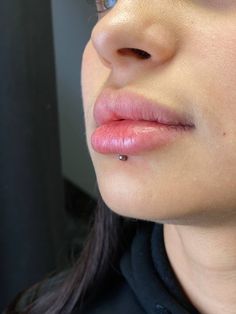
(192, 179)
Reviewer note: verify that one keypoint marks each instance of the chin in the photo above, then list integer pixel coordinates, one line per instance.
(141, 200)
(128, 201)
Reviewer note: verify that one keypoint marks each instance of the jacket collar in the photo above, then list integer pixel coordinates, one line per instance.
(147, 270)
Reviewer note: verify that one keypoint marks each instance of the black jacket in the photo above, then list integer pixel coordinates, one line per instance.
(143, 283)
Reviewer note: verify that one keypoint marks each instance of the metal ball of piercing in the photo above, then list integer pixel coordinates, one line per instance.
(123, 157)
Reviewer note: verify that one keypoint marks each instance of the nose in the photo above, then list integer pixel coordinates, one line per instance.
(128, 36)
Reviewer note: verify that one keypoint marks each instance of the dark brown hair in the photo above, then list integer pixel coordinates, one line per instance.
(109, 235)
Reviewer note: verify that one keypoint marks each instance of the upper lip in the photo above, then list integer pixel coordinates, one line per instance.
(114, 105)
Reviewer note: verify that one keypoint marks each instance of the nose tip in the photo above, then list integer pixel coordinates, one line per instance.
(122, 38)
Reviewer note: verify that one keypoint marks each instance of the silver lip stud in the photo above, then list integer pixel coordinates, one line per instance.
(123, 157)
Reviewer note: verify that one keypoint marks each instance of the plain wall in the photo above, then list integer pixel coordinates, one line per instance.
(72, 23)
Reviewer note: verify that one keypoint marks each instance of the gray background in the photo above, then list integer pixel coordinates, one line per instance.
(73, 21)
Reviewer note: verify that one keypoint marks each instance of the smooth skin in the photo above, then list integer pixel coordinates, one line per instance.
(189, 185)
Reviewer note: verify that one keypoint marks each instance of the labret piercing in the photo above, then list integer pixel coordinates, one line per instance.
(123, 157)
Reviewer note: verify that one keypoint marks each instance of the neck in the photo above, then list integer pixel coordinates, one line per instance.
(204, 262)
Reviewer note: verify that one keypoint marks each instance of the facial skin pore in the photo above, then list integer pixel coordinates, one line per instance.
(189, 185)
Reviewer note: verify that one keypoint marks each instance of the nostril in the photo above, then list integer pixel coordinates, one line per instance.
(134, 51)
(143, 54)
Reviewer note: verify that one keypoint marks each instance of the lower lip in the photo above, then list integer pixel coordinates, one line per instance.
(129, 137)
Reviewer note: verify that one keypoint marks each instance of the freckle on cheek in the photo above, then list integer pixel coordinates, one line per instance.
(224, 134)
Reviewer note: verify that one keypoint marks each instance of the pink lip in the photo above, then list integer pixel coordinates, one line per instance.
(128, 123)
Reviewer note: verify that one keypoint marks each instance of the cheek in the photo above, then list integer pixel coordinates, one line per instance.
(213, 92)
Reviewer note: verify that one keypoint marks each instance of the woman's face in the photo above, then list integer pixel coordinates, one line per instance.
(192, 70)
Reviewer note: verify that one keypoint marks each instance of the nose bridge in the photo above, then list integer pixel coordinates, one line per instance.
(126, 34)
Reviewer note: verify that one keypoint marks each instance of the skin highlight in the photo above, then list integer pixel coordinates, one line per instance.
(189, 185)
